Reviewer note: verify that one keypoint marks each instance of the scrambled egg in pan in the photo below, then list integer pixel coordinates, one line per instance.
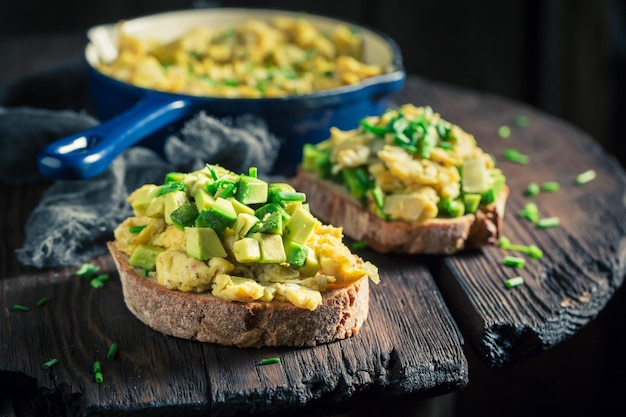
(287, 56)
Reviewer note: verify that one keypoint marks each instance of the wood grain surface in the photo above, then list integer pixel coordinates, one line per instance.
(421, 314)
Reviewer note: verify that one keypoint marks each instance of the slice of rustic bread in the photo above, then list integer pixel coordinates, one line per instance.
(206, 318)
(332, 204)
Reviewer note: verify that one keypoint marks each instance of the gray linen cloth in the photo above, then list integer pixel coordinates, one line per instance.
(75, 218)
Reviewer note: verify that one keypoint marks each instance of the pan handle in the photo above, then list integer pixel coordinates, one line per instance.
(89, 152)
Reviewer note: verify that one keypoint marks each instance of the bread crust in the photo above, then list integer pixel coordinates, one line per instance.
(332, 204)
(206, 318)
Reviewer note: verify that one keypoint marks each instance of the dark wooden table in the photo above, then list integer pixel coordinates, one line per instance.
(424, 315)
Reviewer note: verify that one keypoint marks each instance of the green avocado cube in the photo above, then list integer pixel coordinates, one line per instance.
(156, 207)
(184, 216)
(203, 200)
(272, 249)
(296, 253)
(144, 256)
(143, 197)
(311, 265)
(220, 216)
(251, 190)
(270, 223)
(171, 202)
(247, 250)
(203, 243)
(240, 207)
(244, 223)
(300, 226)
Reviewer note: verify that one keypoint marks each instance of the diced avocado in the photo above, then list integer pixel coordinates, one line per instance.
(171, 202)
(247, 250)
(244, 223)
(144, 256)
(300, 226)
(474, 176)
(203, 243)
(184, 216)
(142, 197)
(498, 180)
(156, 208)
(239, 207)
(229, 237)
(296, 253)
(204, 200)
(471, 201)
(311, 265)
(270, 208)
(220, 216)
(278, 191)
(175, 177)
(272, 249)
(251, 190)
(271, 223)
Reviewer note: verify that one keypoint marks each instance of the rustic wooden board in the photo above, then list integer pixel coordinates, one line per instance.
(408, 346)
(584, 258)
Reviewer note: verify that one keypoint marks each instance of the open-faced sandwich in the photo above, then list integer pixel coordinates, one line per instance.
(231, 259)
(407, 181)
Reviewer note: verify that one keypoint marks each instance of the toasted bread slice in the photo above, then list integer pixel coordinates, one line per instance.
(206, 318)
(331, 203)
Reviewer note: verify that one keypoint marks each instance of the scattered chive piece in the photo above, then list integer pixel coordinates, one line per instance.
(504, 131)
(522, 121)
(530, 212)
(514, 261)
(515, 156)
(532, 189)
(41, 301)
(87, 270)
(514, 282)
(586, 176)
(112, 351)
(96, 283)
(268, 361)
(360, 244)
(99, 377)
(550, 186)
(50, 363)
(532, 250)
(136, 229)
(97, 367)
(20, 307)
(252, 172)
(548, 222)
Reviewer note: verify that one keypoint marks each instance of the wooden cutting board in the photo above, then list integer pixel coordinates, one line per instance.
(421, 315)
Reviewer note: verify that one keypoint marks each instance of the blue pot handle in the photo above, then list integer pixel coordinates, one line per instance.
(88, 153)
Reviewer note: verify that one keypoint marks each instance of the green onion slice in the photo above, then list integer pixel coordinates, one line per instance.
(268, 361)
(514, 282)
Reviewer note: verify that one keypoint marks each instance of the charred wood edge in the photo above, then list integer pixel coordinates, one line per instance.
(21, 395)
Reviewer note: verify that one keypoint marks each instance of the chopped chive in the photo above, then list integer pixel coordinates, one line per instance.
(252, 172)
(41, 301)
(268, 361)
(548, 222)
(522, 121)
(532, 189)
(50, 363)
(96, 283)
(515, 156)
(20, 307)
(102, 277)
(550, 186)
(514, 261)
(87, 270)
(514, 282)
(586, 176)
(504, 131)
(112, 353)
(99, 378)
(532, 250)
(530, 212)
(136, 229)
(97, 367)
